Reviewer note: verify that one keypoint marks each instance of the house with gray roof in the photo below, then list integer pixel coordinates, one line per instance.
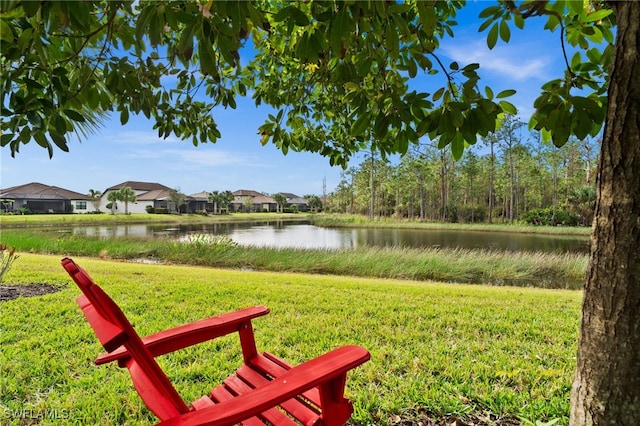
(40, 198)
(148, 194)
(252, 201)
(199, 202)
(294, 200)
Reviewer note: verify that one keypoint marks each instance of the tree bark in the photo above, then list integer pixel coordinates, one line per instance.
(606, 388)
(372, 189)
(443, 187)
(491, 173)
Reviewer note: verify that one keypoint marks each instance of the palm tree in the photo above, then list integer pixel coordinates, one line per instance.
(127, 195)
(113, 198)
(214, 198)
(225, 199)
(281, 201)
(95, 197)
(6, 202)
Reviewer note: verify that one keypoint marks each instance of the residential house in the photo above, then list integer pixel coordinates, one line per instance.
(199, 202)
(252, 201)
(40, 198)
(294, 200)
(148, 194)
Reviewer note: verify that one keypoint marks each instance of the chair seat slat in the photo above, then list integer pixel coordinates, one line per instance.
(272, 416)
(296, 408)
(265, 363)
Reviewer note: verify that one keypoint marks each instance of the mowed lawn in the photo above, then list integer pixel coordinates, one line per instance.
(437, 349)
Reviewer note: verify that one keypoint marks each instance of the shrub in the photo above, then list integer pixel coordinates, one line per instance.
(150, 209)
(546, 217)
(582, 202)
(7, 257)
(468, 214)
(161, 210)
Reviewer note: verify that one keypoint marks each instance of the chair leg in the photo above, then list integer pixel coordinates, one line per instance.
(336, 409)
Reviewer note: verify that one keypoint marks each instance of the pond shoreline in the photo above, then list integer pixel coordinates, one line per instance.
(488, 267)
(319, 219)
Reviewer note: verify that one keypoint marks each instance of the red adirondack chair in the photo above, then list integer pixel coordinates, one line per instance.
(264, 390)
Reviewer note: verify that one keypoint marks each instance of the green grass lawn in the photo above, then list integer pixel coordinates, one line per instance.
(437, 349)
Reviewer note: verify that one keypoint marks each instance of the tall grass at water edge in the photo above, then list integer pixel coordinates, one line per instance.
(436, 349)
(348, 221)
(328, 220)
(450, 265)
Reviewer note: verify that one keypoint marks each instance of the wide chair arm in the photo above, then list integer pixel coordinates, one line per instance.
(191, 334)
(328, 372)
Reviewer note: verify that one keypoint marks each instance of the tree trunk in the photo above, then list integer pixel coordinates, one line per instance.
(443, 187)
(473, 204)
(491, 173)
(555, 196)
(511, 189)
(606, 388)
(423, 201)
(371, 189)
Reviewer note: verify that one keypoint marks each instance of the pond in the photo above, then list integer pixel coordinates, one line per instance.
(302, 234)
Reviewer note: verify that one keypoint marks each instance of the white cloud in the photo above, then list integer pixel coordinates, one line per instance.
(189, 159)
(211, 158)
(516, 62)
(138, 137)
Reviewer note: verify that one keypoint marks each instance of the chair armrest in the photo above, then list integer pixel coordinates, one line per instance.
(299, 379)
(190, 334)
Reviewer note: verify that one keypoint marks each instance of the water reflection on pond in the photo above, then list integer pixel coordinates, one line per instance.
(301, 234)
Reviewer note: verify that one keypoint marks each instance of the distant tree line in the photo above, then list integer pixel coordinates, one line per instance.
(510, 175)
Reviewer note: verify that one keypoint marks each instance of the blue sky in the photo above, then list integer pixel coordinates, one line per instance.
(134, 152)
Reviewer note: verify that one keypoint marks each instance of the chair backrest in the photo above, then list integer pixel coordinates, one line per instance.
(114, 330)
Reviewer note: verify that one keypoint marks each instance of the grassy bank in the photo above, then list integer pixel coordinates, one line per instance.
(347, 221)
(451, 265)
(436, 349)
(328, 220)
(13, 221)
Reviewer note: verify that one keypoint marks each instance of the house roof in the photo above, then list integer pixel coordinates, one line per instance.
(247, 193)
(158, 194)
(263, 199)
(139, 186)
(200, 196)
(296, 200)
(289, 195)
(39, 191)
